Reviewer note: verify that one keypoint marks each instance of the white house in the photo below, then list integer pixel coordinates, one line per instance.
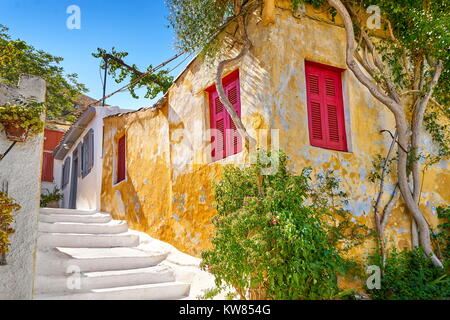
(78, 160)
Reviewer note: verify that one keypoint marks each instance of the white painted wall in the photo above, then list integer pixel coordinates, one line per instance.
(21, 169)
(89, 187)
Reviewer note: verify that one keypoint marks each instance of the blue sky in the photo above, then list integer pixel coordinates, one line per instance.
(139, 27)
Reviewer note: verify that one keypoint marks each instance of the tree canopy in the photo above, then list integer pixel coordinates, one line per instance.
(197, 22)
(17, 57)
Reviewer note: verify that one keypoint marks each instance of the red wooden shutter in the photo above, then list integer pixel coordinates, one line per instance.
(121, 154)
(225, 140)
(325, 107)
(47, 167)
(218, 124)
(233, 138)
(315, 116)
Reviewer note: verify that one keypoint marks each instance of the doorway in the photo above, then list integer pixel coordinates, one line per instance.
(74, 182)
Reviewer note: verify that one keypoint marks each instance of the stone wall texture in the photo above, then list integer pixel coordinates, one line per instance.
(21, 171)
(168, 192)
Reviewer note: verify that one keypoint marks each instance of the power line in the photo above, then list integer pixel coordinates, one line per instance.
(183, 61)
(137, 79)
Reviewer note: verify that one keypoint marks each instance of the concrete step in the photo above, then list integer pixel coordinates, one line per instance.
(75, 240)
(160, 291)
(112, 227)
(77, 218)
(67, 211)
(57, 261)
(105, 279)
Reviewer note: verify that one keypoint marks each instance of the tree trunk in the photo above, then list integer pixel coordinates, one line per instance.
(392, 102)
(422, 225)
(249, 141)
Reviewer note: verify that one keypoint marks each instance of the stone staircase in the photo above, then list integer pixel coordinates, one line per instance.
(85, 255)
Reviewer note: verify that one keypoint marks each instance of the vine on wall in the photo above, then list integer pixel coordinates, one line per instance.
(7, 207)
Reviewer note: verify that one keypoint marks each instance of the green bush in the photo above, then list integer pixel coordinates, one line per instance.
(410, 275)
(276, 237)
(442, 237)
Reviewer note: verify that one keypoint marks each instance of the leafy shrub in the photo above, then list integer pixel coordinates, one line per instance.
(49, 197)
(25, 117)
(276, 236)
(7, 207)
(410, 275)
(442, 238)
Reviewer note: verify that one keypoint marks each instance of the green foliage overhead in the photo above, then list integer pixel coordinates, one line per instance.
(421, 27)
(155, 83)
(18, 57)
(277, 237)
(197, 22)
(409, 275)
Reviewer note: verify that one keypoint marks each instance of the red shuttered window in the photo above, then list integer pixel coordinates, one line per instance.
(225, 139)
(121, 159)
(47, 167)
(325, 107)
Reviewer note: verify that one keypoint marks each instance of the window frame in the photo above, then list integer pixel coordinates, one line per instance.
(65, 179)
(230, 149)
(87, 152)
(325, 142)
(118, 162)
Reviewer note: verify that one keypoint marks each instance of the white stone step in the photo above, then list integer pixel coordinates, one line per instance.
(57, 261)
(75, 240)
(67, 211)
(112, 227)
(91, 218)
(160, 291)
(105, 279)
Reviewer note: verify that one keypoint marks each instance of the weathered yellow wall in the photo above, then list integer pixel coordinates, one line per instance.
(168, 192)
(143, 199)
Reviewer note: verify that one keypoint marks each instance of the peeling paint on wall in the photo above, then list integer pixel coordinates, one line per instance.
(169, 164)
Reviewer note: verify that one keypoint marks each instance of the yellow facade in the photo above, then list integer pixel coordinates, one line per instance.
(168, 192)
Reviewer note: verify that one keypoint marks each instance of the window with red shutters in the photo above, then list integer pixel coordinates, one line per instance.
(225, 139)
(47, 167)
(121, 159)
(325, 107)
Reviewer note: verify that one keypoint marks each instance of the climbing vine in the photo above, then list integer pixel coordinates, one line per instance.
(24, 117)
(153, 82)
(7, 208)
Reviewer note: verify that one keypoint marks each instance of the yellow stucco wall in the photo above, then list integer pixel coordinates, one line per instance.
(168, 191)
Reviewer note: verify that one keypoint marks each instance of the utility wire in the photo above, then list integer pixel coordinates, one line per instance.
(137, 79)
(183, 61)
